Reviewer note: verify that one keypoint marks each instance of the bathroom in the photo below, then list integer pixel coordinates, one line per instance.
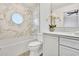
(38, 28)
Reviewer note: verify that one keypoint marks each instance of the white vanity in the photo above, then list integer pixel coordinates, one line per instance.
(60, 44)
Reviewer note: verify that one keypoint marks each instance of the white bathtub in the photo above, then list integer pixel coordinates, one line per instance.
(14, 46)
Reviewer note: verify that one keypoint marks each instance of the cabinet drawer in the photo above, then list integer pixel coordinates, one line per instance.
(47, 36)
(65, 51)
(70, 42)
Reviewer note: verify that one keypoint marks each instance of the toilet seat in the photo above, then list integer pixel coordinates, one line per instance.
(34, 43)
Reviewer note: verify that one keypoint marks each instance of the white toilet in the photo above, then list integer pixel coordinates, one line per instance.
(36, 46)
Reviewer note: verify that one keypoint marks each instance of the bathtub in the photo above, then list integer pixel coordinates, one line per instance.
(14, 46)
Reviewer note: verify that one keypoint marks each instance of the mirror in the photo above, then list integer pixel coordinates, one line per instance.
(71, 19)
(17, 18)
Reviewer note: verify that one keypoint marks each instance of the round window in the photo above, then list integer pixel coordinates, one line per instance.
(17, 18)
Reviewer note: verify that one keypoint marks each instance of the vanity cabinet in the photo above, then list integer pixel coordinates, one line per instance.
(69, 46)
(60, 45)
(50, 46)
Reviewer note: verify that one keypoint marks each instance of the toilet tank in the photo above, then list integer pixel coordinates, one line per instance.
(40, 37)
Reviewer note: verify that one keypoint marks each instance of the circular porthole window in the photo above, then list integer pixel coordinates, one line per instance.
(17, 18)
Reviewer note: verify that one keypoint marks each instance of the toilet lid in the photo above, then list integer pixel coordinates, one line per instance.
(34, 43)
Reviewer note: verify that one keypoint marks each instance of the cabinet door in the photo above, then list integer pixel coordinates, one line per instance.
(50, 47)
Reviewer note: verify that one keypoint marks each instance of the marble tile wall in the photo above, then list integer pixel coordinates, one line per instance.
(9, 29)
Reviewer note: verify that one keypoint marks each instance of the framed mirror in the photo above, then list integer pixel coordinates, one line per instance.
(17, 18)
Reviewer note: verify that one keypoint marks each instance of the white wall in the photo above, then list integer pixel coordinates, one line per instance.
(44, 13)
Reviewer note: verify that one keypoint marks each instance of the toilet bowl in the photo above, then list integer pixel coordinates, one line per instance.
(36, 46)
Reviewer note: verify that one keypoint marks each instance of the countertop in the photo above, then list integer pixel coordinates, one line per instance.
(71, 34)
